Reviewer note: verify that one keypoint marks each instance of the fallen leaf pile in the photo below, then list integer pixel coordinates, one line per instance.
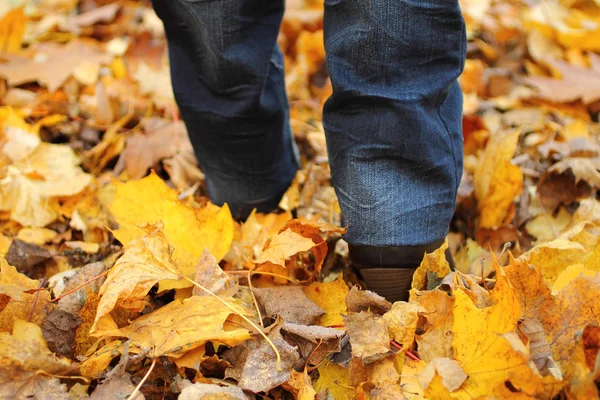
(119, 278)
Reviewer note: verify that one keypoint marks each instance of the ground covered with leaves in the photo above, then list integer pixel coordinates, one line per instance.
(119, 279)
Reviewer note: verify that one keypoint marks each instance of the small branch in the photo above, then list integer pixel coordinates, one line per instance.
(137, 388)
(79, 287)
(408, 353)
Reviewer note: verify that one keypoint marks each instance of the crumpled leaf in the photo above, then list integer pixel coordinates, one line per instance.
(364, 300)
(314, 343)
(402, 322)
(189, 231)
(301, 385)
(497, 181)
(290, 303)
(146, 261)
(435, 337)
(254, 363)
(117, 383)
(368, 336)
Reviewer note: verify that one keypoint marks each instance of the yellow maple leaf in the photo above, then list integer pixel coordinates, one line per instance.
(146, 261)
(189, 231)
(183, 325)
(497, 181)
(336, 379)
(330, 296)
(434, 262)
(284, 245)
(487, 349)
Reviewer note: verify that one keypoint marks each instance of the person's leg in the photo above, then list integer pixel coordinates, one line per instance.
(393, 128)
(228, 80)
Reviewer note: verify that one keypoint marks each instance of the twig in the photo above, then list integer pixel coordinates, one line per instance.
(265, 273)
(408, 353)
(254, 298)
(35, 301)
(79, 287)
(137, 388)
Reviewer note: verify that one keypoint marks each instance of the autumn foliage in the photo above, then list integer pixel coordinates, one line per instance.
(119, 278)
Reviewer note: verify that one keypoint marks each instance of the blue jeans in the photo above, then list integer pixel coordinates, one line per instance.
(393, 123)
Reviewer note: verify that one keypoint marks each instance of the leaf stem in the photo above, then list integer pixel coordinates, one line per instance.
(137, 388)
(79, 287)
(278, 365)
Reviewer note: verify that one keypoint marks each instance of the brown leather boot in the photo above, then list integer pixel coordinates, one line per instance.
(388, 271)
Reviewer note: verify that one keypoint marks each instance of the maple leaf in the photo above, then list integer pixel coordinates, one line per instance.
(434, 262)
(576, 83)
(48, 64)
(146, 261)
(284, 245)
(188, 230)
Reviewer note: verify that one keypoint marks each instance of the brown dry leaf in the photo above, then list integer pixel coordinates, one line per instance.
(254, 363)
(188, 230)
(146, 261)
(156, 83)
(290, 303)
(32, 386)
(329, 296)
(497, 181)
(368, 336)
(161, 139)
(358, 300)
(582, 168)
(210, 275)
(434, 262)
(47, 66)
(314, 343)
(104, 13)
(576, 83)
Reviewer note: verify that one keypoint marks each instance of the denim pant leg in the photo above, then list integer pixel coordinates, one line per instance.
(228, 80)
(393, 123)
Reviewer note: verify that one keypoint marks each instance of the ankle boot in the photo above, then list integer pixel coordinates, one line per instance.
(388, 271)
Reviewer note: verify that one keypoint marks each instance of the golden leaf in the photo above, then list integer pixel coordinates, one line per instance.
(146, 261)
(330, 296)
(335, 379)
(12, 29)
(402, 322)
(434, 262)
(284, 245)
(497, 181)
(189, 231)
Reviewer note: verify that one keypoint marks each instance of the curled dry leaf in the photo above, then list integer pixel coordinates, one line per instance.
(204, 391)
(368, 336)
(435, 263)
(445, 369)
(210, 275)
(364, 300)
